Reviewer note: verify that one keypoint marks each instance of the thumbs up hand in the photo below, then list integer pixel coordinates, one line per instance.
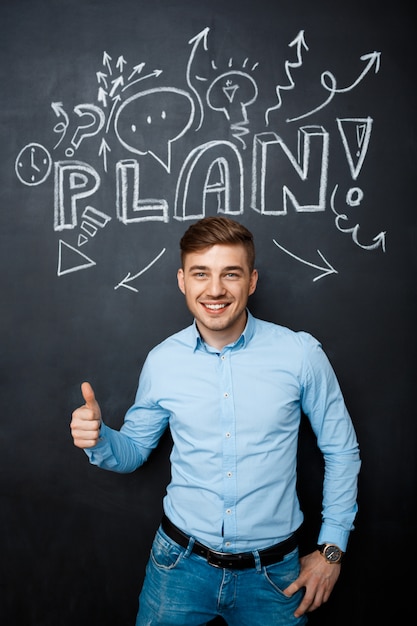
(86, 420)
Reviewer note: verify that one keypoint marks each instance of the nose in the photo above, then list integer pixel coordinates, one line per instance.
(215, 287)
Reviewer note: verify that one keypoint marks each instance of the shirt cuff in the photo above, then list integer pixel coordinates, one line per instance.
(331, 534)
(102, 453)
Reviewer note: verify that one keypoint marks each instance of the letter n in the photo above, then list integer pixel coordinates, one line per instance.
(305, 176)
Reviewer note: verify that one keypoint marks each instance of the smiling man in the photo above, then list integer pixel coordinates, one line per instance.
(217, 282)
(231, 388)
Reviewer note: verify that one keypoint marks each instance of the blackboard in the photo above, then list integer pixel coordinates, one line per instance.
(120, 124)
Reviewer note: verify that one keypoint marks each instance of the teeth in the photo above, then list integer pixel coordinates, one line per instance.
(215, 307)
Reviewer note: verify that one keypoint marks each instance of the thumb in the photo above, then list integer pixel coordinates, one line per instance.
(88, 395)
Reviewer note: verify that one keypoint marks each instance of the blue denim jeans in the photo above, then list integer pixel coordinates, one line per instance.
(182, 589)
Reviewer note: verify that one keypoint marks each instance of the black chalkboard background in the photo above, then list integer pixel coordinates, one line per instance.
(336, 78)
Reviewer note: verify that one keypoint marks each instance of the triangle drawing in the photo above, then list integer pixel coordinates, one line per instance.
(71, 260)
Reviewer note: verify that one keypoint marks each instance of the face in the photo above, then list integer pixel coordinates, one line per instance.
(217, 283)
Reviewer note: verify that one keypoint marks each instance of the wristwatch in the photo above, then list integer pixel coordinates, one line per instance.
(330, 552)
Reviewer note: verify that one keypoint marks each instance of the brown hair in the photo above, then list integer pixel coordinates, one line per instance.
(210, 231)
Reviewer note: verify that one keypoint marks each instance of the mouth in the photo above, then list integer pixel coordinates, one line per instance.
(214, 307)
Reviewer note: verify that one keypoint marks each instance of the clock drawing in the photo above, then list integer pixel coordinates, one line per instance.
(33, 164)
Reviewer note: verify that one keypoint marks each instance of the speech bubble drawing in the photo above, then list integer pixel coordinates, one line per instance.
(150, 121)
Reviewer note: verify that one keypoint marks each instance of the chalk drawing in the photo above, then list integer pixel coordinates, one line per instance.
(222, 163)
(329, 82)
(355, 146)
(71, 260)
(325, 270)
(299, 44)
(379, 241)
(208, 169)
(33, 164)
(161, 117)
(129, 278)
(269, 148)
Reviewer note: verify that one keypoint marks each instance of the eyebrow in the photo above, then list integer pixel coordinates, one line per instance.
(228, 268)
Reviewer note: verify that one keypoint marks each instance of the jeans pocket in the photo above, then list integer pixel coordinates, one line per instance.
(165, 553)
(282, 574)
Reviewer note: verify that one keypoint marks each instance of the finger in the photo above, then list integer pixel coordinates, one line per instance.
(85, 419)
(307, 605)
(85, 429)
(88, 395)
(291, 589)
(84, 441)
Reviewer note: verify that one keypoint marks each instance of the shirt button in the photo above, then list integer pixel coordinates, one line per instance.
(228, 435)
(228, 543)
(228, 511)
(226, 395)
(223, 357)
(229, 474)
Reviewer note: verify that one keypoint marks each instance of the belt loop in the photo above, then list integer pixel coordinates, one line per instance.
(258, 565)
(189, 547)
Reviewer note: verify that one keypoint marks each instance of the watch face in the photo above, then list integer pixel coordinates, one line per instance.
(332, 553)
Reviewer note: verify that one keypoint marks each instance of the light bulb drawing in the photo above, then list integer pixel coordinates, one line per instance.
(232, 93)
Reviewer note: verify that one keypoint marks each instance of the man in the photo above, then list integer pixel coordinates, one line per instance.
(231, 388)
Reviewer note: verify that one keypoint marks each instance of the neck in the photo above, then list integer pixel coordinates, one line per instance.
(218, 339)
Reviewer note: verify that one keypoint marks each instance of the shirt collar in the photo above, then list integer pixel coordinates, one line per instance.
(241, 342)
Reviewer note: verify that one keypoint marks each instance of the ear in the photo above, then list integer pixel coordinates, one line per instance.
(180, 279)
(253, 282)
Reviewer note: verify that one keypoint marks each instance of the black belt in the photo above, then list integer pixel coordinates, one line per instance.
(240, 560)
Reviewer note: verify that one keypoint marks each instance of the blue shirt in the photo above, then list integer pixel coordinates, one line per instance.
(234, 418)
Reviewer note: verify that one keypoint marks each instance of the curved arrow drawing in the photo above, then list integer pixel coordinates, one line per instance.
(197, 40)
(128, 278)
(379, 239)
(372, 58)
(61, 127)
(155, 73)
(116, 101)
(325, 270)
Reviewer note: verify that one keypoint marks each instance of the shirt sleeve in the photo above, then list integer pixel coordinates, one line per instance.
(324, 405)
(144, 423)
(115, 452)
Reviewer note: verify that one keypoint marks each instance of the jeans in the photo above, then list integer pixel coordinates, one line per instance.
(182, 589)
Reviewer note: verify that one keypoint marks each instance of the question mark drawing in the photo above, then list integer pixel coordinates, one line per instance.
(92, 127)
